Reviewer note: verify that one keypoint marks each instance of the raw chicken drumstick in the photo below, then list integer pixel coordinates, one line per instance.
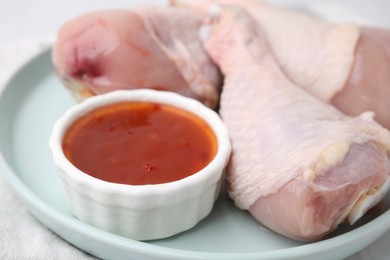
(299, 166)
(345, 65)
(154, 48)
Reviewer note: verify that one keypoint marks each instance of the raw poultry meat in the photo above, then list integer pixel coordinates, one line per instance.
(299, 166)
(154, 48)
(346, 65)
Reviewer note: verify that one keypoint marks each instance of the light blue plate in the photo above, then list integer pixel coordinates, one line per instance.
(30, 104)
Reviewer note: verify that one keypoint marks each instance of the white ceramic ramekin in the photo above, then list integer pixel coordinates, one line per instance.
(141, 212)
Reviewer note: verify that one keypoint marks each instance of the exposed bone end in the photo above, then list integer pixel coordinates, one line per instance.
(78, 90)
(366, 201)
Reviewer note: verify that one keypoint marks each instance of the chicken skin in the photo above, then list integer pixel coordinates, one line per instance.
(103, 51)
(299, 165)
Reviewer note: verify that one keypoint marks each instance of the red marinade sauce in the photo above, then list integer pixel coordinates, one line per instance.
(139, 143)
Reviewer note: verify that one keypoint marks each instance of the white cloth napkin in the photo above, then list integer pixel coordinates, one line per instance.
(21, 235)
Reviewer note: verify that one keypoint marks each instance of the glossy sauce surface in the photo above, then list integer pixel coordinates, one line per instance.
(139, 143)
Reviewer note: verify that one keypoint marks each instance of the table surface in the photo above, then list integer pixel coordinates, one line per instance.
(22, 21)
